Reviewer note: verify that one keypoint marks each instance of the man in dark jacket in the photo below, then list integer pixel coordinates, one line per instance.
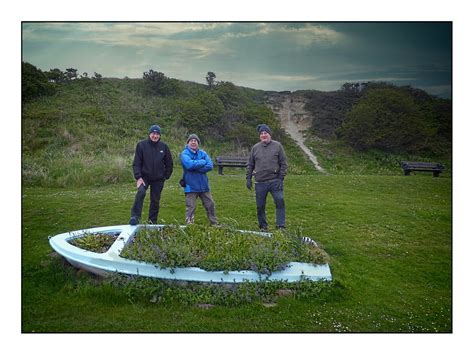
(152, 165)
(196, 164)
(267, 161)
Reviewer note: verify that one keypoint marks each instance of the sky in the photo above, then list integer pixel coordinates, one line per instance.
(262, 55)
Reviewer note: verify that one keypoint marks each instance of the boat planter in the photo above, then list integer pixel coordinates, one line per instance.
(111, 262)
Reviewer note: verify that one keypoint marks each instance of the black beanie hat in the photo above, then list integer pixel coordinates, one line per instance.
(193, 136)
(154, 128)
(263, 127)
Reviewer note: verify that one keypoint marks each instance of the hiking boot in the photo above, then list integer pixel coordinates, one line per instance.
(133, 221)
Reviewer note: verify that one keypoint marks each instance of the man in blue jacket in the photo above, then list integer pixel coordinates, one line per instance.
(196, 163)
(152, 165)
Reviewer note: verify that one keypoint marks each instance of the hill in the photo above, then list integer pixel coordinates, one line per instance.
(83, 131)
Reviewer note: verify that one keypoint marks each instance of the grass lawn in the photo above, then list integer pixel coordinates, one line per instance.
(389, 239)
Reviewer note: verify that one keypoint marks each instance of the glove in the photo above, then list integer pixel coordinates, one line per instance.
(279, 185)
(249, 184)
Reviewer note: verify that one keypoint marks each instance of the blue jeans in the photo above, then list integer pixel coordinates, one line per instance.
(261, 191)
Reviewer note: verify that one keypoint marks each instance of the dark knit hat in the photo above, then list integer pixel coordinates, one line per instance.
(263, 127)
(155, 128)
(193, 136)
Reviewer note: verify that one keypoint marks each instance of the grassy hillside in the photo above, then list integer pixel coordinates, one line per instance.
(86, 133)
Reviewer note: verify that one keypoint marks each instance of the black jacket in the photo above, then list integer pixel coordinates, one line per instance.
(152, 161)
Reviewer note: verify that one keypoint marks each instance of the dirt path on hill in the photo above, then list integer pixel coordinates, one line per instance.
(294, 119)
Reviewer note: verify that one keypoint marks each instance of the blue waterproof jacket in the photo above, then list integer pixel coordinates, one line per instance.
(195, 166)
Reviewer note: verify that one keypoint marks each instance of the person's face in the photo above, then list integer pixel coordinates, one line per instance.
(193, 144)
(265, 137)
(155, 137)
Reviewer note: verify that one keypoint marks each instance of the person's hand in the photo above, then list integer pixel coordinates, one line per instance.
(140, 182)
(249, 184)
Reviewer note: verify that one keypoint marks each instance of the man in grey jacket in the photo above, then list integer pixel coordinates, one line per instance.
(267, 161)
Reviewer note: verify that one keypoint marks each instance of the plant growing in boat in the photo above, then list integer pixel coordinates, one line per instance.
(96, 242)
(221, 249)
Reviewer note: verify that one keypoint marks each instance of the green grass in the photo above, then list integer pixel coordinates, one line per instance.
(338, 158)
(389, 239)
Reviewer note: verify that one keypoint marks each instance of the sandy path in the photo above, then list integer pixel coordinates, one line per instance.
(295, 120)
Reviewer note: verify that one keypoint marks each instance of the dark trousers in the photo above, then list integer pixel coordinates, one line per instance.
(155, 194)
(261, 191)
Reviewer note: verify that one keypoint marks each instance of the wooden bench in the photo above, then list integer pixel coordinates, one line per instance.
(230, 162)
(409, 166)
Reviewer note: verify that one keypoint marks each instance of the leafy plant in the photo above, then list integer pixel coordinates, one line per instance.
(96, 242)
(221, 248)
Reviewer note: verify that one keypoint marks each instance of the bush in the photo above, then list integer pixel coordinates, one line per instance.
(387, 119)
(202, 113)
(34, 82)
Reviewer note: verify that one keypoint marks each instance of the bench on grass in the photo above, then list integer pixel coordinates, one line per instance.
(409, 166)
(230, 162)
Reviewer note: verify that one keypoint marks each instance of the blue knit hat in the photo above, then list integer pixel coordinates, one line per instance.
(263, 127)
(155, 128)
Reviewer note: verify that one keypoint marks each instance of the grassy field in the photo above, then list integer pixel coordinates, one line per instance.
(389, 239)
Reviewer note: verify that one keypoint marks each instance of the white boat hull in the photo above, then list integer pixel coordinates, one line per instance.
(111, 262)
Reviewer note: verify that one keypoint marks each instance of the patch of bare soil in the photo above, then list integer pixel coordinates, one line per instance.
(295, 120)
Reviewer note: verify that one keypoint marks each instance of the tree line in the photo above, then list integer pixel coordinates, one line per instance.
(379, 115)
(373, 115)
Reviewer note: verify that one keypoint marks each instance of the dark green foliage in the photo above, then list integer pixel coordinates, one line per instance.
(210, 77)
(156, 83)
(389, 119)
(71, 74)
(329, 109)
(34, 83)
(379, 115)
(230, 95)
(55, 75)
(202, 113)
(97, 77)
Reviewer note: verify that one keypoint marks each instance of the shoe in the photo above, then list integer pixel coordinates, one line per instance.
(281, 227)
(264, 229)
(133, 221)
(151, 222)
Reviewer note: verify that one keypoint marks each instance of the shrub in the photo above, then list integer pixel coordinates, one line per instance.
(222, 248)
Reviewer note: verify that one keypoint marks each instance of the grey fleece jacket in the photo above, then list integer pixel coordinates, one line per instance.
(268, 161)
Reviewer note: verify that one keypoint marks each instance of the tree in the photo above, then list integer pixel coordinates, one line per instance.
(203, 113)
(97, 77)
(71, 74)
(156, 83)
(387, 119)
(228, 93)
(55, 75)
(210, 77)
(34, 83)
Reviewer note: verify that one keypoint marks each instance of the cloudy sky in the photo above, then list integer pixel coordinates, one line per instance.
(268, 56)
